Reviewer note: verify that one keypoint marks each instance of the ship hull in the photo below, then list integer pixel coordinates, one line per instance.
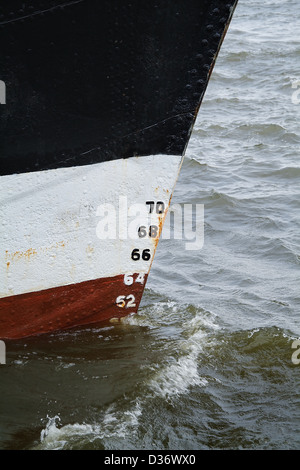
(73, 245)
(100, 101)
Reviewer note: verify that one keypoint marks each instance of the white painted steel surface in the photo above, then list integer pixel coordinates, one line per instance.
(49, 221)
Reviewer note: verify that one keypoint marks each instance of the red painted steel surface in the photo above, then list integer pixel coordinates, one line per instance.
(66, 307)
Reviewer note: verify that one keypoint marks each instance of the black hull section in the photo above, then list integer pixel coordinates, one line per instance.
(90, 81)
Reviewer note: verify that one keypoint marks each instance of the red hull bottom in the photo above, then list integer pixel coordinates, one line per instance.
(67, 307)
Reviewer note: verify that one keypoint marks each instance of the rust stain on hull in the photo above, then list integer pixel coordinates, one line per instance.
(20, 254)
(29, 254)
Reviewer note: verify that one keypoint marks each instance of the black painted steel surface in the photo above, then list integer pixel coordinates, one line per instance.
(89, 81)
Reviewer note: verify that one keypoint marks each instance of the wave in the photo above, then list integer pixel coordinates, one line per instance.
(174, 375)
(114, 423)
(289, 172)
(239, 360)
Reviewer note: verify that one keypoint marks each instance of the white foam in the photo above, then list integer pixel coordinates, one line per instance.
(176, 377)
(158, 314)
(115, 423)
